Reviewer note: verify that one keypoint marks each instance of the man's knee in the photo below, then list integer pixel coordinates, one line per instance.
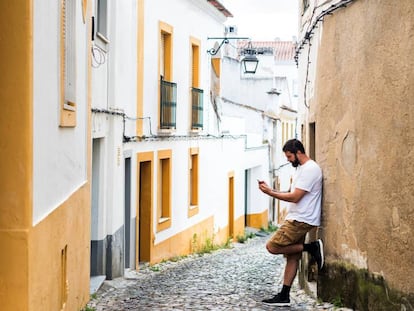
(272, 248)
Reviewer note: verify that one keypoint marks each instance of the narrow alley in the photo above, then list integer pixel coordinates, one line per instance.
(228, 279)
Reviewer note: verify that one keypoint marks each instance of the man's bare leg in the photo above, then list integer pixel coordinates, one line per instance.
(286, 250)
(292, 263)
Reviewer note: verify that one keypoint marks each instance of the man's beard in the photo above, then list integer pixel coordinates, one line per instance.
(296, 162)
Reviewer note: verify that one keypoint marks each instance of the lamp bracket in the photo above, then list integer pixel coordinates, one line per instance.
(225, 40)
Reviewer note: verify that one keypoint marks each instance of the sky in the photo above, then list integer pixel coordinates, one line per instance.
(264, 20)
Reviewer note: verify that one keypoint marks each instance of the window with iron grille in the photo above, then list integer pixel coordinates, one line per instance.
(168, 89)
(168, 105)
(197, 108)
(196, 92)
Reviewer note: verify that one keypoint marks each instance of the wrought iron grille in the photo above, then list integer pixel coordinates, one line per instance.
(197, 108)
(168, 105)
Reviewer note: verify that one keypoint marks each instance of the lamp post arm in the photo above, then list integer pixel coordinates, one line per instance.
(214, 51)
(225, 40)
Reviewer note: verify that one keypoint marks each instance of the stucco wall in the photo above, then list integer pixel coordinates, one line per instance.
(60, 154)
(365, 135)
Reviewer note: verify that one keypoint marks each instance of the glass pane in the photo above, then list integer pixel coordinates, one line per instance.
(102, 17)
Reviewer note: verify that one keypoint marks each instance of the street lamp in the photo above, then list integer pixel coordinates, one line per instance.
(250, 61)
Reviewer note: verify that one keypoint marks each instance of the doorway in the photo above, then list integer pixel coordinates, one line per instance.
(97, 259)
(231, 205)
(144, 207)
(127, 221)
(246, 197)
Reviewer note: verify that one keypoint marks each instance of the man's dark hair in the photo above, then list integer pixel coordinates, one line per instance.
(293, 146)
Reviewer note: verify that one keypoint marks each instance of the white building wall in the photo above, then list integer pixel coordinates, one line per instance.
(60, 155)
(216, 160)
(115, 82)
(264, 123)
(123, 56)
(200, 21)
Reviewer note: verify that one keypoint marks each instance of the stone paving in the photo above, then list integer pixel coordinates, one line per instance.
(228, 279)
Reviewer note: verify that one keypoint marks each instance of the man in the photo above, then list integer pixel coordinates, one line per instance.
(304, 214)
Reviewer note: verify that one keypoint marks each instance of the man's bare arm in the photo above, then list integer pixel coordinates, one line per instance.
(294, 196)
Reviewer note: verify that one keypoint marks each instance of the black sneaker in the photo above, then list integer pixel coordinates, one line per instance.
(317, 254)
(277, 300)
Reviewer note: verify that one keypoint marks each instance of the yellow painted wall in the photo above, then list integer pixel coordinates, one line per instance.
(30, 261)
(181, 243)
(259, 220)
(239, 226)
(68, 225)
(16, 152)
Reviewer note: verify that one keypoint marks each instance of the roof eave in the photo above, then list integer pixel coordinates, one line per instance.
(220, 8)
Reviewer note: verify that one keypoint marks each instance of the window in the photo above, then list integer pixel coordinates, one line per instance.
(195, 62)
(68, 63)
(312, 133)
(168, 89)
(102, 20)
(196, 92)
(166, 33)
(164, 189)
(193, 182)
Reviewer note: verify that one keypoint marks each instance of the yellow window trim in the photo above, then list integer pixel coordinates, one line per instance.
(165, 29)
(140, 69)
(194, 77)
(195, 59)
(67, 108)
(164, 196)
(193, 208)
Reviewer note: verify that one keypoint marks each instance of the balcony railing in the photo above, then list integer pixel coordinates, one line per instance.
(197, 108)
(168, 105)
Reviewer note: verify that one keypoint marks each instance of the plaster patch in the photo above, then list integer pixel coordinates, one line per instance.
(355, 257)
(349, 152)
(395, 217)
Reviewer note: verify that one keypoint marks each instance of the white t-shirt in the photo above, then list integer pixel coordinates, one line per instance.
(307, 177)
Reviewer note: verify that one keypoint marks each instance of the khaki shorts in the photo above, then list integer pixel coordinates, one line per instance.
(291, 232)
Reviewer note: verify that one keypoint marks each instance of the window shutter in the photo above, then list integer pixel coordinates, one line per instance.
(70, 54)
(162, 55)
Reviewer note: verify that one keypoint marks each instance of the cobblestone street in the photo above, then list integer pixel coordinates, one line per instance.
(227, 279)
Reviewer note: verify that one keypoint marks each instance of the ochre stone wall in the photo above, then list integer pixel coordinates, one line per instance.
(364, 113)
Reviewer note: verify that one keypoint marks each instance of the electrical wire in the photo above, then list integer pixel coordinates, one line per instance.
(153, 137)
(308, 36)
(98, 56)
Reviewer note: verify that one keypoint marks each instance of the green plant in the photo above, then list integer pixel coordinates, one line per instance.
(155, 268)
(227, 244)
(177, 258)
(270, 228)
(337, 302)
(208, 245)
(245, 237)
(87, 308)
(93, 296)
(194, 243)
